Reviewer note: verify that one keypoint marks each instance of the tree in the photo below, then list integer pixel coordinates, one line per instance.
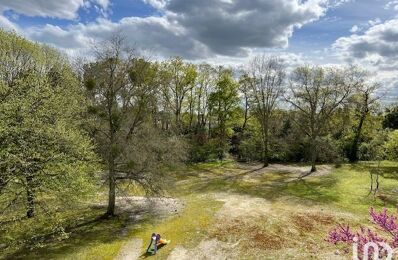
(364, 101)
(315, 93)
(266, 86)
(178, 80)
(43, 151)
(391, 118)
(204, 84)
(244, 88)
(122, 90)
(222, 103)
(375, 150)
(391, 146)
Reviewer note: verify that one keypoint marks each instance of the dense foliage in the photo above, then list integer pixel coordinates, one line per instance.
(47, 159)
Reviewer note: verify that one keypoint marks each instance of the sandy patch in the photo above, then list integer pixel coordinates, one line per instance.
(295, 170)
(241, 206)
(131, 250)
(154, 206)
(206, 250)
(138, 208)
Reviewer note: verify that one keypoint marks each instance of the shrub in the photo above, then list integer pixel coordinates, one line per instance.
(387, 232)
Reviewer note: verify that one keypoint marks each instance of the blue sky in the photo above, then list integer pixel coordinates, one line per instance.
(324, 32)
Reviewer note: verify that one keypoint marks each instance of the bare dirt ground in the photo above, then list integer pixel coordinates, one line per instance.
(294, 169)
(255, 172)
(256, 226)
(130, 250)
(140, 207)
(249, 224)
(206, 250)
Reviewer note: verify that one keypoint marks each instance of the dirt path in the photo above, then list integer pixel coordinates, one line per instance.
(206, 250)
(131, 250)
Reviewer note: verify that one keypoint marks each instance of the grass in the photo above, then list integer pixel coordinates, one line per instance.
(303, 210)
(185, 229)
(91, 238)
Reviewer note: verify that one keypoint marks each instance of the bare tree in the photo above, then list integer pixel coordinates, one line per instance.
(316, 93)
(266, 78)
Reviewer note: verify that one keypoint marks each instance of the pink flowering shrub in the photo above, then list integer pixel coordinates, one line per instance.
(386, 227)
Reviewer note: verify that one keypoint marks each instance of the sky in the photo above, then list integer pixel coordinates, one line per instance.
(229, 32)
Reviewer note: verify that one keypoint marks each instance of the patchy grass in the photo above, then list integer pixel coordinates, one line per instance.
(90, 238)
(299, 213)
(186, 229)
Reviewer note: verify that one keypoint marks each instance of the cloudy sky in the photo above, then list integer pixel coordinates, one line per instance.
(324, 32)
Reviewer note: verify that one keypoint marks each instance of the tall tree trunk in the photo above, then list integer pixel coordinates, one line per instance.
(246, 115)
(265, 147)
(265, 156)
(112, 189)
(30, 195)
(222, 139)
(313, 153)
(355, 143)
(353, 156)
(111, 164)
(265, 133)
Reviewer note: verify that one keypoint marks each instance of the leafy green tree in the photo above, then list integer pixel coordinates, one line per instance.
(43, 151)
(205, 82)
(391, 118)
(123, 90)
(375, 150)
(391, 146)
(364, 102)
(223, 102)
(177, 79)
(316, 93)
(266, 87)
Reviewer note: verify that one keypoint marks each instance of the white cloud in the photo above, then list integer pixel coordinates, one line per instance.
(355, 29)
(374, 22)
(66, 9)
(377, 50)
(152, 34)
(392, 5)
(158, 4)
(378, 45)
(104, 4)
(8, 25)
(230, 27)
(337, 3)
(188, 28)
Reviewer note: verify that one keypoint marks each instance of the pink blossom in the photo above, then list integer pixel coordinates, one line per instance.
(385, 223)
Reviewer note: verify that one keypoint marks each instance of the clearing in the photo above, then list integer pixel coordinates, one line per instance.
(230, 210)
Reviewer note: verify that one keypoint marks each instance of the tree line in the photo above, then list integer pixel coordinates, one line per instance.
(120, 118)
